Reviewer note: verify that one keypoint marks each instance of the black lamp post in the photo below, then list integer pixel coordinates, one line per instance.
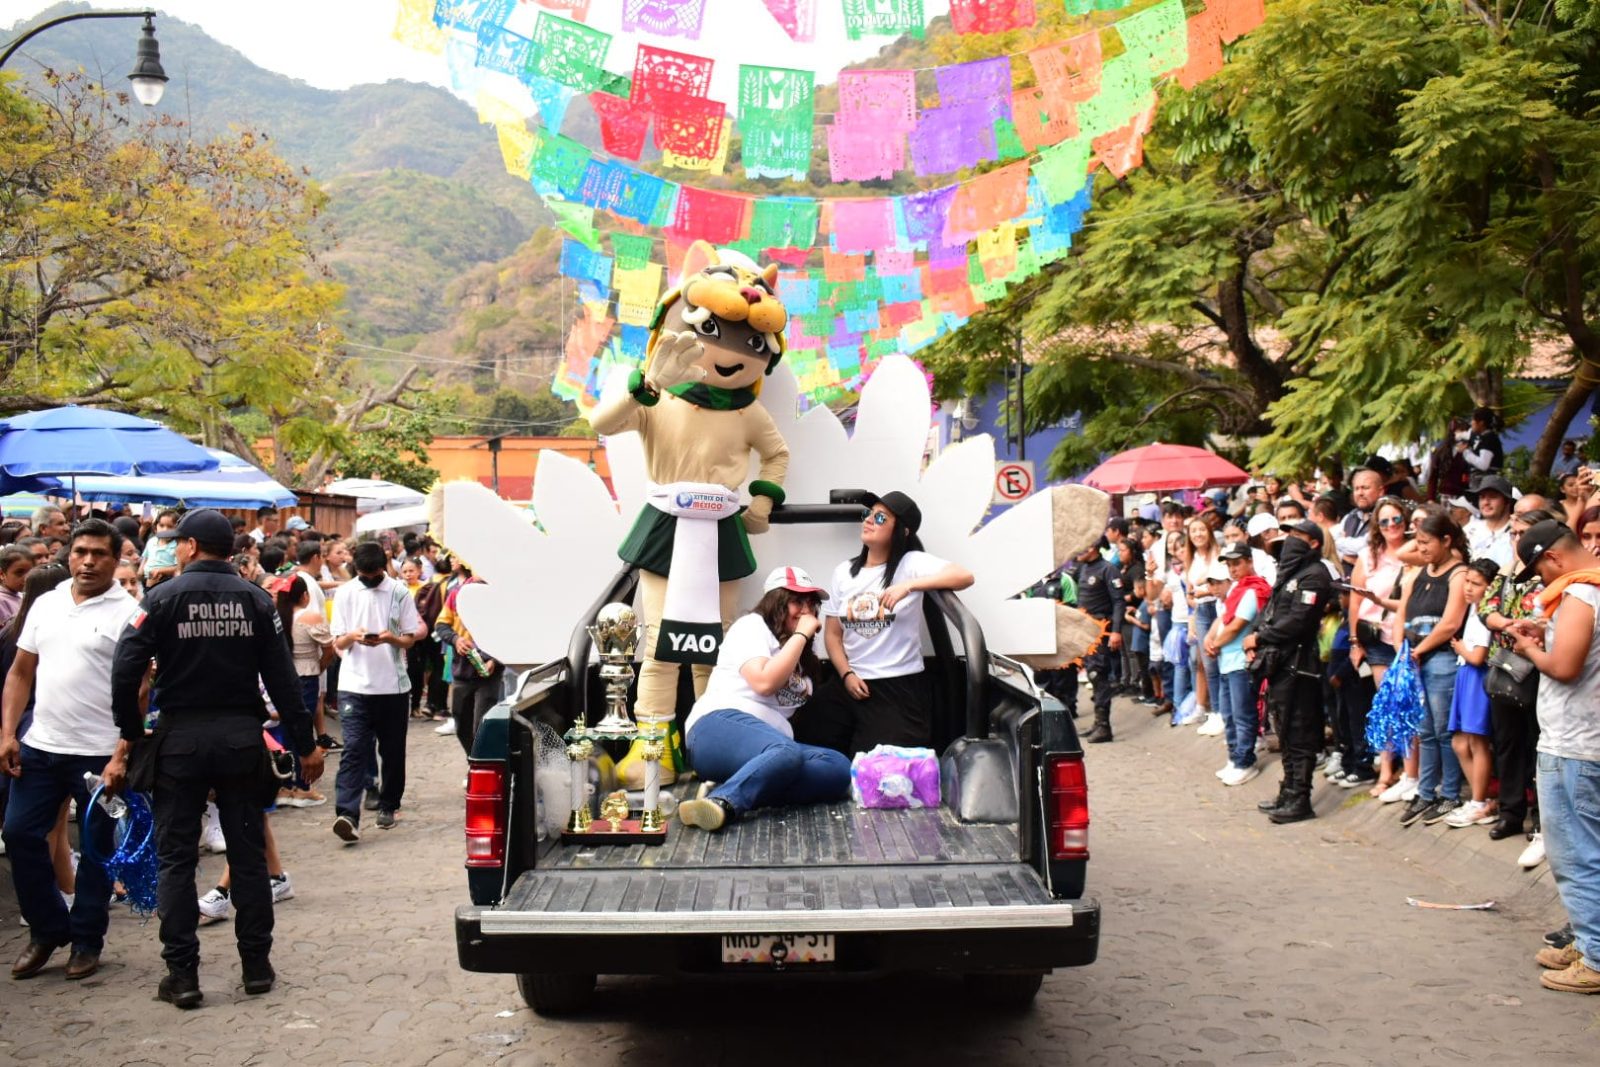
(149, 80)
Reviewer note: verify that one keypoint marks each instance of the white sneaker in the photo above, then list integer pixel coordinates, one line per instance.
(1533, 855)
(215, 907)
(1466, 815)
(1403, 789)
(282, 888)
(1334, 765)
(1241, 775)
(445, 728)
(1213, 726)
(211, 838)
(1192, 718)
(1411, 794)
(1222, 772)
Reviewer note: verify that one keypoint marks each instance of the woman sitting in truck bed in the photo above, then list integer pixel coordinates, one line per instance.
(738, 734)
(874, 632)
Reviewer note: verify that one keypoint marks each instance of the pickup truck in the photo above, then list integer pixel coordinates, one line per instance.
(989, 885)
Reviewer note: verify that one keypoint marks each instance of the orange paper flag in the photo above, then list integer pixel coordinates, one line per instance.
(1205, 49)
(984, 202)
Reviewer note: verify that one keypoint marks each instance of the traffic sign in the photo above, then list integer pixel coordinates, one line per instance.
(1013, 480)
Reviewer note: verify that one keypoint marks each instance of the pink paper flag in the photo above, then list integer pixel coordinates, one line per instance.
(706, 215)
(893, 261)
(990, 16)
(797, 17)
(863, 225)
(882, 99)
(862, 154)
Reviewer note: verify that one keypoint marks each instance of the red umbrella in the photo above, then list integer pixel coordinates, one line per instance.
(1154, 468)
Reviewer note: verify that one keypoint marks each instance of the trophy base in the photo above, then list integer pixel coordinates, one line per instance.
(628, 832)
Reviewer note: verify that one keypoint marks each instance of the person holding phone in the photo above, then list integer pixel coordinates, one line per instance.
(1374, 597)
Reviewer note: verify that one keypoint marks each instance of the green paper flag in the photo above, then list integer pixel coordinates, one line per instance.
(576, 219)
(631, 252)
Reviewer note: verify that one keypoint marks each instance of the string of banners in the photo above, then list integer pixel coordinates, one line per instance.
(866, 276)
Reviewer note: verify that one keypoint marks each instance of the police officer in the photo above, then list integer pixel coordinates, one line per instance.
(1100, 595)
(212, 635)
(1284, 649)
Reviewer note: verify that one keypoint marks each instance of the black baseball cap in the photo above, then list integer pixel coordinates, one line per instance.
(1309, 528)
(206, 526)
(1236, 550)
(1540, 538)
(1492, 483)
(902, 507)
(1117, 523)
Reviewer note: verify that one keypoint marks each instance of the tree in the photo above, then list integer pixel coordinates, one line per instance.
(394, 451)
(180, 279)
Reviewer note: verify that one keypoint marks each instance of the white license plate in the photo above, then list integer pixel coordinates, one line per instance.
(766, 948)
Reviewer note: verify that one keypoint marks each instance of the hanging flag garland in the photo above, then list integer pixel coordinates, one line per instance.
(896, 272)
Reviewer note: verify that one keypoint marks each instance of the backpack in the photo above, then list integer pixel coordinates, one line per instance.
(430, 601)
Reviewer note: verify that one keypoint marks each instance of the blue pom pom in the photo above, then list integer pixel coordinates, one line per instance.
(1397, 708)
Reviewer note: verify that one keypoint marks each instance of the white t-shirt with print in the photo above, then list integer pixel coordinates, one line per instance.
(726, 690)
(75, 644)
(879, 643)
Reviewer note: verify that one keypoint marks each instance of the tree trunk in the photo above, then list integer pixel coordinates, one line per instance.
(1572, 400)
(1264, 376)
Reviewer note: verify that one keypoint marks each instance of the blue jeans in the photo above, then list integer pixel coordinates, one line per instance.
(374, 728)
(1569, 814)
(1204, 615)
(47, 780)
(1236, 700)
(1441, 771)
(1182, 677)
(757, 766)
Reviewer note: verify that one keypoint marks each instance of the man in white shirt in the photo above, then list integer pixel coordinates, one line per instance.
(374, 621)
(266, 523)
(63, 660)
(1489, 535)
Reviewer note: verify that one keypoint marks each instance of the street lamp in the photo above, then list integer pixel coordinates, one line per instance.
(149, 80)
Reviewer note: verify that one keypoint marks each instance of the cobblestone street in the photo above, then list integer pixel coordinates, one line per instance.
(1226, 941)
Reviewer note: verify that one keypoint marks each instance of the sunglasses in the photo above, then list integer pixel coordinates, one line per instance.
(878, 518)
(1392, 520)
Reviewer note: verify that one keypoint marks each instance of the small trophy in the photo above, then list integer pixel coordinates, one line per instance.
(616, 633)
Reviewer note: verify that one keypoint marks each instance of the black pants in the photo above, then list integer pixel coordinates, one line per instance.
(1062, 684)
(425, 668)
(897, 711)
(471, 697)
(1295, 702)
(1100, 667)
(374, 727)
(1141, 674)
(196, 757)
(1355, 704)
(1516, 734)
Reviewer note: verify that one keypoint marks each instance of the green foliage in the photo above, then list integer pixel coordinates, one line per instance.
(390, 448)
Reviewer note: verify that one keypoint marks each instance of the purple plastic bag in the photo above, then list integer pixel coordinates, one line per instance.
(893, 777)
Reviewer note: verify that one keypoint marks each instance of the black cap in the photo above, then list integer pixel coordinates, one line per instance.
(1540, 538)
(1492, 483)
(1117, 523)
(1309, 528)
(1379, 466)
(206, 526)
(902, 507)
(1236, 550)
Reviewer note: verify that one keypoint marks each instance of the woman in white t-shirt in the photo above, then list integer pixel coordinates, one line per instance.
(873, 634)
(738, 733)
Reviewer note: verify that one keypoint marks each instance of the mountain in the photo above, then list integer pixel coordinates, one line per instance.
(418, 195)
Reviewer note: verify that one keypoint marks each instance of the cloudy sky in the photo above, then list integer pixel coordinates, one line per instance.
(334, 44)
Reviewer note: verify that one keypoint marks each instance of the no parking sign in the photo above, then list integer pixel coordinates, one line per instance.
(1013, 480)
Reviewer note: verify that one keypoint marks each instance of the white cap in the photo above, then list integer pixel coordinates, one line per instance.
(1464, 504)
(793, 579)
(1218, 572)
(1260, 523)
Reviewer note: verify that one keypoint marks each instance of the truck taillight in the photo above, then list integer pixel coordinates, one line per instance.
(486, 814)
(1067, 807)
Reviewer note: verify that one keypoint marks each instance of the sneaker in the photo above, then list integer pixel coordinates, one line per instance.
(1357, 779)
(1241, 775)
(1222, 772)
(1213, 726)
(385, 820)
(211, 838)
(282, 888)
(1468, 814)
(707, 814)
(181, 989)
(369, 800)
(1579, 978)
(1397, 792)
(258, 977)
(1415, 808)
(1560, 938)
(1440, 810)
(216, 906)
(1533, 855)
(1557, 959)
(346, 830)
(1191, 719)
(446, 728)
(1334, 765)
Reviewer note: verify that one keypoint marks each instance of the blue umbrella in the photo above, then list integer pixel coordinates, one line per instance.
(234, 484)
(71, 440)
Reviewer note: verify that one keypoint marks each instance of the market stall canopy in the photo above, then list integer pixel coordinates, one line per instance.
(233, 484)
(67, 441)
(401, 518)
(374, 494)
(1159, 467)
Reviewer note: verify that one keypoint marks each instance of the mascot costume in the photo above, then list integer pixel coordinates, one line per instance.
(712, 340)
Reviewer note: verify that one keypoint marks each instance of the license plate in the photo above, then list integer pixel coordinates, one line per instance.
(770, 948)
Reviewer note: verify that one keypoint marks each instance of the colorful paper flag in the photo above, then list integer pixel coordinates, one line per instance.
(883, 18)
(797, 17)
(569, 52)
(1160, 34)
(985, 201)
(991, 16)
(664, 18)
(705, 215)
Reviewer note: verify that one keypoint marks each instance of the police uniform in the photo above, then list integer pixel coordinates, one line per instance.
(1286, 656)
(1101, 596)
(212, 635)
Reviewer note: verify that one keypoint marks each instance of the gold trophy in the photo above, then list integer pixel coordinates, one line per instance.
(616, 633)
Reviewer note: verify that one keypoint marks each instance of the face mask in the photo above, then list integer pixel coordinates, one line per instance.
(371, 581)
(1294, 550)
